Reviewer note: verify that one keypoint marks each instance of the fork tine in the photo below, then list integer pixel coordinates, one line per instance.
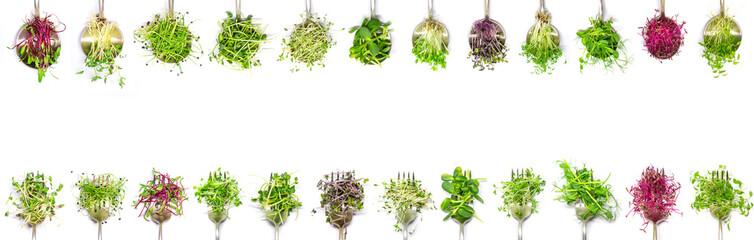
(727, 176)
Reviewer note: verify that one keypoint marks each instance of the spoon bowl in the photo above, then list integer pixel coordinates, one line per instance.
(87, 40)
(735, 29)
(499, 28)
(23, 34)
(421, 30)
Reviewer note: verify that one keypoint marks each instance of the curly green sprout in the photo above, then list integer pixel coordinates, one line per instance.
(277, 197)
(308, 43)
(35, 199)
(100, 192)
(169, 39)
(239, 43)
(219, 191)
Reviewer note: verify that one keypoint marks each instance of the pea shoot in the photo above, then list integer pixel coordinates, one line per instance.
(463, 191)
(308, 43)
(239, 42)
(277, 197)
(371, 42)
(541, 48)
(103, 51)
(717, 192)
(35, 198)
(162, 195)
(602, 45)
(430, 47)
(581, 187)
(406, 197)
(720, 45)
(104, 192)
(219, 191)
(169, 39)
(521, 190)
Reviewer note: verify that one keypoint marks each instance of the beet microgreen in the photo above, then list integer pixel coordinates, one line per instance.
(720, 45)
(463, 191)
(41, 47)
(541, 48)
(430, 47)
(602, 45)
(101, 192)
(403, 195)
(277, 197)
(521, 190)
(161, 195)
(308, 43)
(103, 50)
(714, 191)
(580, 186)
(663, 36)
(371, 42)
(239, 42)
(342, 194)
(219, 191)
(169, 39)
(487, 48)
(655, 196)
(35, 200)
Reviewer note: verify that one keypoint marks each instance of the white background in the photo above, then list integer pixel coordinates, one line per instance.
(377, 121)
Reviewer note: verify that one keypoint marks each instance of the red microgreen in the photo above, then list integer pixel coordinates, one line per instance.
(38, 48)
(663, 36)
(161, 194)
(655, 196)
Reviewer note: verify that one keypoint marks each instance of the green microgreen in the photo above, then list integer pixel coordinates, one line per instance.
(540, 47)
(161, 195)
(403, 194)
(101, 192)
(308, 43)
(103, 51)
(521, 190)
(169, 39)
(721, 45)
(580, 186)
(430, 47)
(718, 192)
(602, 45)
(35, 199)
(463, 191)
(277, 197)
(239, 42)
(371, 42)
(219, 191)
(341, 192)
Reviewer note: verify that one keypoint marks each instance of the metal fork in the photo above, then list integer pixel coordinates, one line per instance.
(518, 211)
(654, 224)
(408, 216)
(341, 219)
(461, 235)
(715, 211)
(582, 212)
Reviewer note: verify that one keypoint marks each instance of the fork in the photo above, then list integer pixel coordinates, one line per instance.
(715, 211)
(582, 212)
(519, 212)
(408, 216)
(463, 224)
(654, 224)
(341, 219)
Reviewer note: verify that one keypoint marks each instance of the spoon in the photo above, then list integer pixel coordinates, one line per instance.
(171, 13)
(160, 218)
(373, 15)
(500, 31)
(116, 37)
(734, 28)
(23, 34)
(554, 35)
(601, 15)
(583, 213)
(99, 216)
(420, 29)
(217, 218)
(341, 220)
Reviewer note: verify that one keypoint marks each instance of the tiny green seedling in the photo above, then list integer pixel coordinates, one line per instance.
(371, 42)
(100, 192)
(103, 51)
(169, 39)
(717, 192)
(541, 48)
(721, 44)
(35, 198)
(430, 47)
(277, 198)
(239, 42)
(308, 43)
(219, 191)
(406, 198)
(521, 190)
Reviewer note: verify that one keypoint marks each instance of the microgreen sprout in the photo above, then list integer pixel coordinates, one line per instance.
(540, 47)
(430, 47)
(161, 195)
(402, 195)
(169, 39)
(308, 43)
(721, 194)
(103, 51)
(101, 192)
(35, 199)
(655, 195)
(40, 48)
(721, 45)
(341, 192)
(239, 42)
(371, 42)
(219, 191)
(580, 186)
(277, 197)
(663, 36)
(602, 45)
(521, 190)
(487, 47)
(463, 191)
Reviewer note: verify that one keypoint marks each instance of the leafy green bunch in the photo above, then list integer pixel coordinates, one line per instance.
(103, 51)
(602, 45)
(101, 192)
(720, 46)
(430, 47)
(308, 42)
(169, 39)
(580, 186)
(36, 198)
(540, 47)
(371, 42)
(521, 190)
(277, 197)
(219, 191)
(720, 193)
(463, 191)
(239, 42)
(402, 195)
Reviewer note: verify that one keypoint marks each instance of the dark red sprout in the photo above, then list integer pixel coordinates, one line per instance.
(655, 196)
(663, 36)
(161, 194)
(38, 48)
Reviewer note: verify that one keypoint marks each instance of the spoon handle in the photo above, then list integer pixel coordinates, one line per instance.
(583, 231)
(308, 7)
(217, 231)
(541, 9)
(99, 230)
(601, 15)
(487, 9)
(654, 231)
(33, 232)
(662, 7)
(520, 230)
(372, 6)
(720, 229)
(238, 8)
(430, 7)
(722, 10)
(36, 8)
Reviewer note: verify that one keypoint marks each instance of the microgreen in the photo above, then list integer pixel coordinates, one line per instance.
(663, 36)
(35, 199)
(308, 43)
(39, 49)
(720, 47)
(521, 190)
(103, 51)
(161, 195)
(169, 39)
(580, 186)
(430, 47)
(718, 192)
(487, 47)
(239, 42)
(101, 192)
(341, 191)
(277, 197)
(219, 191)
(602, 45)
(371, 42)
(405, 194)
(463, 191)
(541, 48)
(655, 195)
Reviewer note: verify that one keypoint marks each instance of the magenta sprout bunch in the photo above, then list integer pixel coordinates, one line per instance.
(663, 36)
(655, 196)
(161, 194)
(38, 48)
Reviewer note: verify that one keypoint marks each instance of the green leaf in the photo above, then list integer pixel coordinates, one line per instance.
(373, 24)
(364, 33)
(373, 49)
(448, 187)
(446, 177)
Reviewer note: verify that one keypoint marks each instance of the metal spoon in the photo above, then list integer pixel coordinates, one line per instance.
(171, 13)
(583, 213)
(554, 35)
(373, 15)
(23, 34)
(341, 220)
(601, 15)
(116, 37)
(500, 31)
(420, 29)
(217, 218)
(160, 219)
(99, 216)
(734, 28)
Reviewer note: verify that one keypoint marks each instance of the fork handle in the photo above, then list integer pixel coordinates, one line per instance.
(277, 231)
(720, 229)
(461, 235)
(217, 231)
(99, 230)
(583, 231)
(520, 230)
(654, 231)
(159, 234)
